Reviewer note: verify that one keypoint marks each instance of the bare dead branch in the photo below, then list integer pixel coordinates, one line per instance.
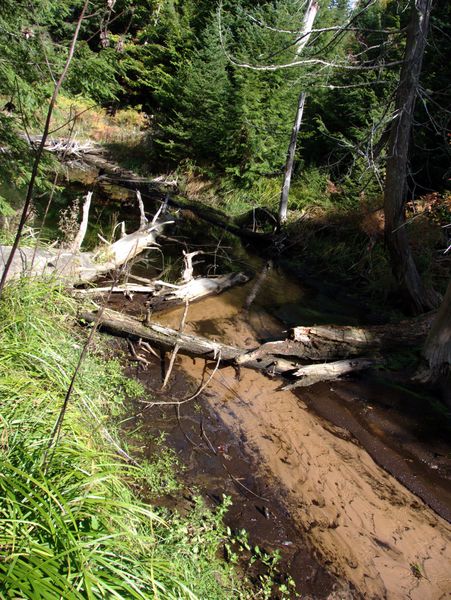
(78, 241)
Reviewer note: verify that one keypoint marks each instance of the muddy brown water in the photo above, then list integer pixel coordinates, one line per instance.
(217, 463)
(356, 475)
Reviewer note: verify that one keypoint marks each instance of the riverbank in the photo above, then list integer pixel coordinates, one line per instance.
(290, 304)
(74, 522)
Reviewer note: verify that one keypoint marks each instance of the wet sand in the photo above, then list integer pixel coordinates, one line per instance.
(361, 522)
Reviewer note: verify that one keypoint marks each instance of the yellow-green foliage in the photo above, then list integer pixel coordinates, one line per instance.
(94, 123)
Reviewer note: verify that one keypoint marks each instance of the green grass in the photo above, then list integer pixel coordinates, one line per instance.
(77, 529)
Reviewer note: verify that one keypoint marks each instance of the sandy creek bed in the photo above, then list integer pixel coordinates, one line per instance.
(312, 451)
(363, 524)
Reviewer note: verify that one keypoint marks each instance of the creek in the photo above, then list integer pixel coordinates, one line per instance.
(350, 481)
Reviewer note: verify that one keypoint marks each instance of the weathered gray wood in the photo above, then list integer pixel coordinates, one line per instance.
(123, 325)
(332, 342)
(77, 267)
(79, 238)
(283, 204)
(312, 374)
(166, 338)
(164, 296)
(323, 342)
(303, 39)
(193, 290)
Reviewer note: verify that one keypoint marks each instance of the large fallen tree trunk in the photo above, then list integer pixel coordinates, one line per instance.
(197, 346)
(359, 345)
(76, 267)
(332, 342)
(322, 342)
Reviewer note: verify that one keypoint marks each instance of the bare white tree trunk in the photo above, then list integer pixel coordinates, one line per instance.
(283, 205)
(303, 38)
(78, 241)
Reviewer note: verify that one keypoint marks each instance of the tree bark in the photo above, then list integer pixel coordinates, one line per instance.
(311, 374)
(437, 350)
(283, 205)
(304, 36)
(193, 290)
(415, 296)
(323, 342)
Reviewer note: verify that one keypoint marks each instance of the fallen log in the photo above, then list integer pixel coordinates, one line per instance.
(323, 342)
(311, 374)
(75, 267)
(126, 326)
(331, 342)
(165, 296)
(166, 338)
(193, 290)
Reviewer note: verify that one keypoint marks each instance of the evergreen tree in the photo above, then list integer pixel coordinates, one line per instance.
(199, 101)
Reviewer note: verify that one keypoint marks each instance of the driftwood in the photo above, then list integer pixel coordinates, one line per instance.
(197, 346)
(311, 374)
(76, 267)
(332, 342)
(244, 226)
(65, 146)
(193, 290)
(165, 296)
(357, 347)
(323, 342)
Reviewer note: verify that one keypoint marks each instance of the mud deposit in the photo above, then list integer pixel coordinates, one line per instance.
(361, 523)
(218, 463)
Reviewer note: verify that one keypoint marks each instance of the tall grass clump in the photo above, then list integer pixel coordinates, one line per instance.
(71, 525)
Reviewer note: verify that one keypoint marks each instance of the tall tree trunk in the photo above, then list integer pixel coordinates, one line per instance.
(303, 38)
(283, 205)
(415, 296)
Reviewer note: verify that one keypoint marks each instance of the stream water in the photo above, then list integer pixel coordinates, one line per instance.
(350, 481)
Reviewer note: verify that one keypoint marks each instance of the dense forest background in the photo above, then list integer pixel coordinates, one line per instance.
(215, 86)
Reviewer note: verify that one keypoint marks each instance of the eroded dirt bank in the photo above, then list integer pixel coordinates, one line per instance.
(365, 526)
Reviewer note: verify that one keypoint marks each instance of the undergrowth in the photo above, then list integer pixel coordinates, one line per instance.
(73, 526)
(334, 231)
